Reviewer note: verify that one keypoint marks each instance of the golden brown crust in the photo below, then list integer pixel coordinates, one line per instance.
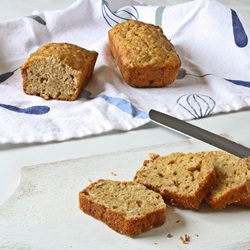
(232, 181)
(126, 212)
(58, 71)
(244, 202)
(183, 179)
(145, 56)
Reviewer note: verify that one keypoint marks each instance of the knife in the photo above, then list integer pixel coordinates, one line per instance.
(199, 133)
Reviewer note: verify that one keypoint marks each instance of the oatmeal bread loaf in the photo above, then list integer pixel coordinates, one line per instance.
(58, 71)
(145, 56)
(183, 179)
(127, 207)
(232, 181)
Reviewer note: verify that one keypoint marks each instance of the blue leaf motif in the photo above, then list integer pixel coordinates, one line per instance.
(125, 106)
(7, 75)
(240, 82)
(32, 110)
(38, 19)
(197, 105)
(158, 15)
(114, 17)
(181, 74)
(86, 94)
(240, 36)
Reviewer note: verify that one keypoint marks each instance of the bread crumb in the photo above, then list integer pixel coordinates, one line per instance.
(113, 173)
(169, 235)
(153, 156)
(185, 239)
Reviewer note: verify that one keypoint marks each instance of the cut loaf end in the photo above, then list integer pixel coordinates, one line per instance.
(58, 71)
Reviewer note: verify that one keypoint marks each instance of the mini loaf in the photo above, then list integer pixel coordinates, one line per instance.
(145, 56)
(183, 179)
(58, 71)
(232, 181)
(127, 207)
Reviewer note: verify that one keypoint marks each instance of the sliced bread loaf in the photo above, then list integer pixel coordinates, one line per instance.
(232, 181)
(126, 207)
(183, 179)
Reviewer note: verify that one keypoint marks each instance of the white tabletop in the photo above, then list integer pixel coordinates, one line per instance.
(13, 157)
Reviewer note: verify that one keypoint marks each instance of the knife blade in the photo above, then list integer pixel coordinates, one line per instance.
(199, 133)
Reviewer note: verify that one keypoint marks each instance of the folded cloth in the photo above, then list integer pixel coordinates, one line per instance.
(211, 39)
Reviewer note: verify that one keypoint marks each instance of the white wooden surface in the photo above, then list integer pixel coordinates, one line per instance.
(43, 213)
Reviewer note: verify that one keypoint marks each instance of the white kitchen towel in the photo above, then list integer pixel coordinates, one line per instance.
(211, 39)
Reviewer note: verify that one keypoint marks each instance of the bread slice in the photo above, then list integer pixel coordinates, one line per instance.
(245, 201)
(145, 56)
(233, 181)
(58, 71)
(183, 179)
(127, 207)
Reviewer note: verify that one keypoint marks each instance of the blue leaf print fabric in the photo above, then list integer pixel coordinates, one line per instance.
(210, 38)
